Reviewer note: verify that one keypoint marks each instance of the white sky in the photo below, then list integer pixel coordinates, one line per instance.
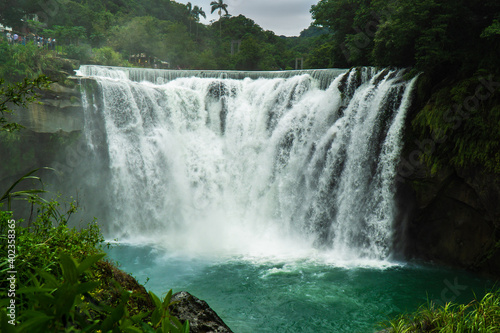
(284, 17)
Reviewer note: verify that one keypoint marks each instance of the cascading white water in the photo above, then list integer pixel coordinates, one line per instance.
(252, 165)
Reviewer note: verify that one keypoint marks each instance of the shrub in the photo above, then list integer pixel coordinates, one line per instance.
(63, 285)
(108, 57)
(477, 316)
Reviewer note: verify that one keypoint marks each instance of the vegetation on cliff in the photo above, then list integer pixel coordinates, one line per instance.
(60, 282)
(478, 316)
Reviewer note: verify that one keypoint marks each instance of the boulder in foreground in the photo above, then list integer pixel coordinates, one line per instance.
(202, 319)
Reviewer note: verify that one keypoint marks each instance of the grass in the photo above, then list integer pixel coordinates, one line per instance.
(478, 316)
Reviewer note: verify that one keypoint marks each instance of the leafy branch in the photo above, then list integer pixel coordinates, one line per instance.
(23, 194)
(19, 94)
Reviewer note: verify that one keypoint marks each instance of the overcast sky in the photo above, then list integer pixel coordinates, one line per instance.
(284, 17)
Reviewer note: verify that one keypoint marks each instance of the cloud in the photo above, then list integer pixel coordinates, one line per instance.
(284, 17)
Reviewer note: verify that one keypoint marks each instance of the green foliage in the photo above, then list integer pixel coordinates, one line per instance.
(18, 94)
(463, 120)
(250, 54)
(167, 30)
(454, 43)
(161, 318)
(81, 52)
(477, 316)
(220, 7)
(352, 25)
(434, 36)
(53, 304)
(66, 34)
(164, 40)
(62, 302)
(13, 11)
(58, 279)
(492, 31)
(20, 61)
(9, 195)
(321, 56)
(108, 57)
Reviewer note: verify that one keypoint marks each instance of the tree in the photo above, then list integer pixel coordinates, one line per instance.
(197, 12)
(191, 14)
(12, 12)
(194, 14)
(353, 24)
(18, 94)
(250, 54)
(221, 6)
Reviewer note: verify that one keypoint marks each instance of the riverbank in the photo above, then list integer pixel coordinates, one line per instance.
(482, 315)
(61, 280)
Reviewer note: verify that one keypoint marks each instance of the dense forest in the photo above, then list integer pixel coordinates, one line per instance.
(442, 37)
(109, 32)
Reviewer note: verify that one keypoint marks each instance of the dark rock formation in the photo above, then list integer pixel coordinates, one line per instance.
(202, 319)
(456, 220)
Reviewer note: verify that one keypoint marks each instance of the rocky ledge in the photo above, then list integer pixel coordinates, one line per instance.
(59, 108)
(202, 319)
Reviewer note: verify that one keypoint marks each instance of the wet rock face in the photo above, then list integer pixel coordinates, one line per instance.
(202, 319)
(457, 220)
(58, 109)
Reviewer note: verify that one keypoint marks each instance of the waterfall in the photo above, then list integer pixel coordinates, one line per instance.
(232, 162)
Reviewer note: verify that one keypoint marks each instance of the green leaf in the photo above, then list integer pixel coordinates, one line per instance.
(168, 326)
(68, 265)
(5, 327)
(138, 317)
(28, 290)
(176, 322)
(83, 288)
(50, 280)
(156, 300)
(115, 316)
(131, 329)
(35, 321)
(156, 317)
(186, 327)
(45, 301)
(7, 194)
(84, 265)
(166, 300)
(64, 300)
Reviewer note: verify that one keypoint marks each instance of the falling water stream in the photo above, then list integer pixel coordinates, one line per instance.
(270, 195)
